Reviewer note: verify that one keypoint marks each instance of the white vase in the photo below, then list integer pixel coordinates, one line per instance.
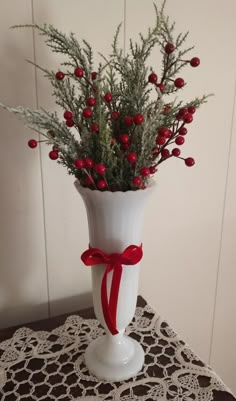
(115, 222)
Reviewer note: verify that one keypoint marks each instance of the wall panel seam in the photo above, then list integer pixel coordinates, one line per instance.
(41, 165)
(125, 9)
(222, 225)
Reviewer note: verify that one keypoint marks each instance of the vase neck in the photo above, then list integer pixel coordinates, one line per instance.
(115, 219)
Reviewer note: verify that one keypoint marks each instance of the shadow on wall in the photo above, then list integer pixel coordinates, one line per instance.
(23, 280)
(20, 201)
(67, 305)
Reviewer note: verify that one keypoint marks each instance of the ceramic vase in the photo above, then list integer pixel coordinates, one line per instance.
(115, 222)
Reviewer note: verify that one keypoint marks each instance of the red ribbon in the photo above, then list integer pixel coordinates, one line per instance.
(131, 256)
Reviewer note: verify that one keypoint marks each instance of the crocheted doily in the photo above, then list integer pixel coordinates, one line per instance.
(50, 365)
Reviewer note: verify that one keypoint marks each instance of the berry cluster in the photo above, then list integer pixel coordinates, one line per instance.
(111, 134)
(179, 83)
(53, 154)
(165, 136)
(93, 174)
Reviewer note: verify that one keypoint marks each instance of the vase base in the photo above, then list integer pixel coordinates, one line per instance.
(100, 361)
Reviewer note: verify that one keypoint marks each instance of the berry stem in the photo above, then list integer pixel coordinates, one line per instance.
(89, 175)
(169, 141)
(162, 160)
(94, 88)
(104, 177)
(168, 67)
(165, 69)
(178, 129)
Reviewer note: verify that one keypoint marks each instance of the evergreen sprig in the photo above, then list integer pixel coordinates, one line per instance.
(119, 126)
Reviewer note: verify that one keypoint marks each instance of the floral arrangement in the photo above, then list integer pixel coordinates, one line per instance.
(116, 126)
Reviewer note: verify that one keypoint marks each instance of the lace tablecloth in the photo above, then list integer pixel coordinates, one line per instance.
(42, 365)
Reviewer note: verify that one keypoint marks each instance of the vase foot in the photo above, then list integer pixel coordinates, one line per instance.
(112, 361)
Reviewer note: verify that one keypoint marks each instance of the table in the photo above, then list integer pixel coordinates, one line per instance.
(44, 361)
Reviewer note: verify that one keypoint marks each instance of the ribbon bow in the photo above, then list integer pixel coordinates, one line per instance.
(130, 256)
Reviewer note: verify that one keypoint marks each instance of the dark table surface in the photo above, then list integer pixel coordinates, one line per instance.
(54, 322)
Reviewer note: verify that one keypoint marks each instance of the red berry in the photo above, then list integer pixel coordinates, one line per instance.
(179, 140)
(191, 109)
(79, 72)
(79, 163)
(124, 138)
(99, 168)
(32, 143)
(53, 155)
(161, 87)
(153, 78)
(145, 171)
(88, 180)
(188, 118)
(101, 184)
(125, 146)
(51, 133)
(132, 157)
(88, 162)
(160, 140)
(169, 48)
(195, 61)
(108, 97)
(128, 121)
(60, 75)
(179, 83)
(137, 181)
(138, 119)
(87, 113)
(115, 115)
(153, 170)
(113, 141)
(70, 123)
(68, 115)
(94, 75)
(183, 131)
(163, 131)
(165, 153)
(178, 117)
(91, 101)
(183, 112)
(155, 149)
(189, 161)
(176, 152)
(94, 127)
(166, 109)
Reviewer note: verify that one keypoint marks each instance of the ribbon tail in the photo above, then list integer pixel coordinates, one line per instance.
(114, 294)
(105, 305)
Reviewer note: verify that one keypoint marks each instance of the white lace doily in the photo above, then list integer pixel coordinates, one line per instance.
(45, 366)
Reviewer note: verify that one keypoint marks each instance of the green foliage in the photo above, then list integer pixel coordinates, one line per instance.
(125, 76)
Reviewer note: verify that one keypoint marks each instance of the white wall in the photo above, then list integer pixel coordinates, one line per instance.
(188, 270)
(23, 275)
